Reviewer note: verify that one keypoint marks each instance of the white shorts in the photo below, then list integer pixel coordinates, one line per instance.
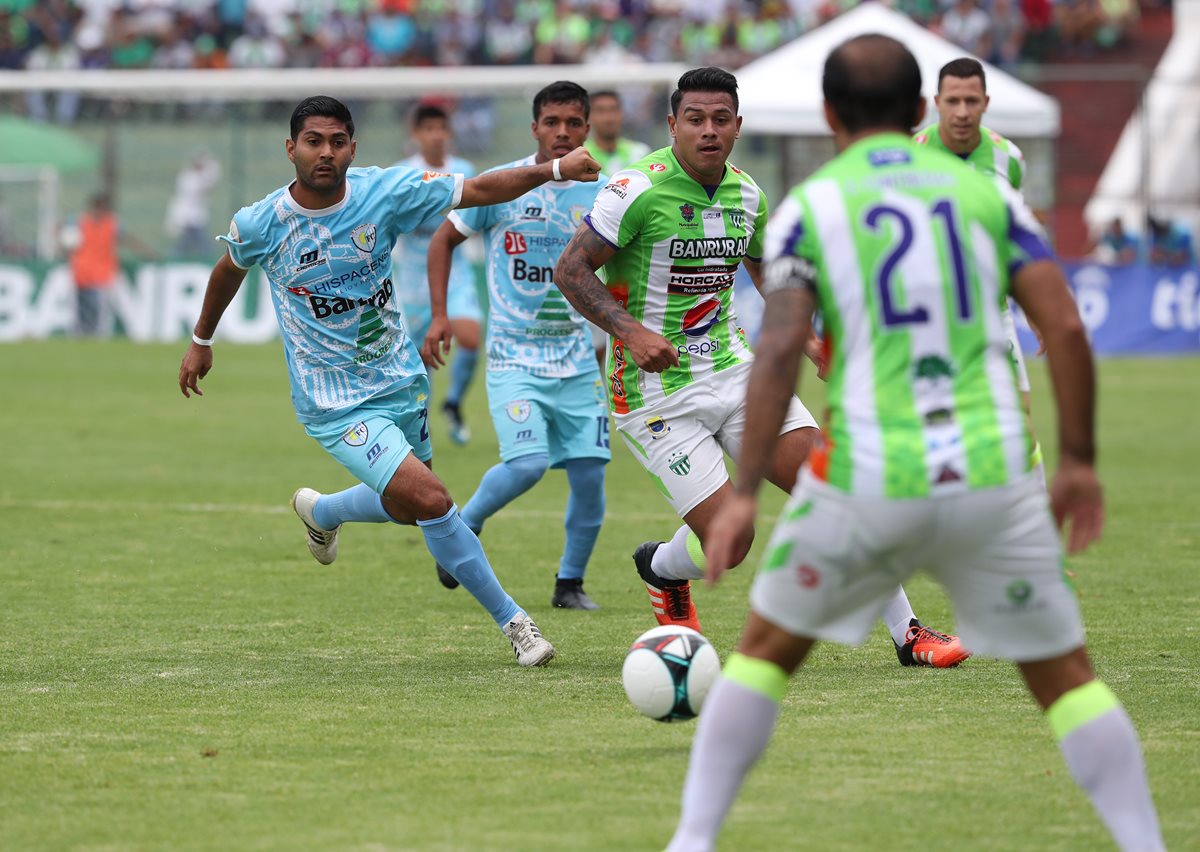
(1014, 349)
(835, 560)
(682, 441)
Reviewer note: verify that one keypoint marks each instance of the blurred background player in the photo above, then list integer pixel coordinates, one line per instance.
(670, 234)
(431, 131)
(544, 388)
(961, 101)
(927, 467)
(187, 211)
(606, 144)
(357, 381)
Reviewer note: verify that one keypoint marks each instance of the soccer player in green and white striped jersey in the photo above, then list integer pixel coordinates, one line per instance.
(910, 256)
(961, 101)
(670, 233)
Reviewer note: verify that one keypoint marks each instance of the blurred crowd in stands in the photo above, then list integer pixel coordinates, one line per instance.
(1163, 243)
(174, 34)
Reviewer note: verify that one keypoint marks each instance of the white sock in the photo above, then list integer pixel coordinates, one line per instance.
(734, 729)
(1106, 761)
(898, 616)
(675, 559)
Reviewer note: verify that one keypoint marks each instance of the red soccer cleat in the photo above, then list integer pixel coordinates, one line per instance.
(928, 647)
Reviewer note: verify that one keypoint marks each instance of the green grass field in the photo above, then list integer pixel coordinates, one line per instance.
(176, 672)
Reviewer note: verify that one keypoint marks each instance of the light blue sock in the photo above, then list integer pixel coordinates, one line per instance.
(462, 370)
(359, 503)
(501, 485)
(458, 550)
(585, 513)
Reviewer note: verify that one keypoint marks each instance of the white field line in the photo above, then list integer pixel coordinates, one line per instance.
(133, 507)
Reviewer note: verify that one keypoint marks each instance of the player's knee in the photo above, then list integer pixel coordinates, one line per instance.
(527, 470)
(432, 503)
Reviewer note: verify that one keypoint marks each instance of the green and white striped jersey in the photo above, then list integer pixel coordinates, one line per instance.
(910, 255)
(994, 155)
(678, 245)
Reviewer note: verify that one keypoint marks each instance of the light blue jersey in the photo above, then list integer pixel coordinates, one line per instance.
(330, 273)
(412, 249)
(531, 326)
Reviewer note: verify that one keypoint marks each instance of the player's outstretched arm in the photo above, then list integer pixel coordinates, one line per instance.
(436, 345)
(1075, 494)
(223, 285)
(506, 184)
(575, 277)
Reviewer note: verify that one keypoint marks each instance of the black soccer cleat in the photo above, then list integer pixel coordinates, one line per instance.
(569, 594)
(460, 432)
(445, 577)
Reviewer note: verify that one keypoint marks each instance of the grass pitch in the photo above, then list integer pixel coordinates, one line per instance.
(177, 672)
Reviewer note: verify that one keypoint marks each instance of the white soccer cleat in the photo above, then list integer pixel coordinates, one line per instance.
(527, 642)
(322, 544)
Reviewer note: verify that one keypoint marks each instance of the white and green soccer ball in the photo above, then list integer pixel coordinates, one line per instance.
(669, 671)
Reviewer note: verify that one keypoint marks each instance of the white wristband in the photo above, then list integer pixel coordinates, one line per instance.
(554, 168)
(200, 341)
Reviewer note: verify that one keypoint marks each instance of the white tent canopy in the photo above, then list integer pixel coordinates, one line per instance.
(781, 92)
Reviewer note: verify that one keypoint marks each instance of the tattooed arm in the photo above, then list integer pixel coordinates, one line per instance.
(575, 277)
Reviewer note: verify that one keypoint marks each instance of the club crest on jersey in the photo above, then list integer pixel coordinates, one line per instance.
(518, 410)
(737, 217)
(658, 427)
(577, 214)
(700, 318)
(680, 464)
(687, 211)
(657, 167)
(356, 435)
(932, 368)
(363, 238)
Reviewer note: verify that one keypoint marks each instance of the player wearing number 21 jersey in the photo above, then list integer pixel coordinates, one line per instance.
(910, 257)
(671, 232)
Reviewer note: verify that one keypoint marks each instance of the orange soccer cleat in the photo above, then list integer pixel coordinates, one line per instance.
(928, 647)
(671, 599)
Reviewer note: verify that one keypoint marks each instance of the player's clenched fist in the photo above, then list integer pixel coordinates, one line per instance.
(579, 165)
(652, 352)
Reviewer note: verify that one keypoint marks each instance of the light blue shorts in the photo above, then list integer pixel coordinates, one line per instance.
(564, 418)
(462, 302)
(371, 440)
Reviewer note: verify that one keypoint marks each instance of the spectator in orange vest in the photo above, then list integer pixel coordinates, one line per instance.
(95, 265)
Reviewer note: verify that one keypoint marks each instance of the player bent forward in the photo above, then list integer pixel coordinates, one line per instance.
(358, 384)
(670, 233)
(930, 464)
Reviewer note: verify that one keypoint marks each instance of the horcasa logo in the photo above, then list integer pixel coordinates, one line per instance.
(324, 307)
(363, 238)
(701, 317)
(514, 243)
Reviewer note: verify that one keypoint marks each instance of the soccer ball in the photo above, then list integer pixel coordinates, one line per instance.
(668, 673)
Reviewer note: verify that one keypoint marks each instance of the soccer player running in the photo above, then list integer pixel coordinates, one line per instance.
(670, 234)
(909, 258)
(544, 388)
(961, 101)
(431, 130)
(358, 384)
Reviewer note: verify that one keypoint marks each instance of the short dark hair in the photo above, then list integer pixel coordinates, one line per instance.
(429, 112)
(873, 81)
(708, 79)
(323, 106)
(963, 69)
(561, 92)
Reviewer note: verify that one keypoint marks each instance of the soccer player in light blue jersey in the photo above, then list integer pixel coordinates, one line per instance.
(544, 389)
(431, 130)
(358, 385)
